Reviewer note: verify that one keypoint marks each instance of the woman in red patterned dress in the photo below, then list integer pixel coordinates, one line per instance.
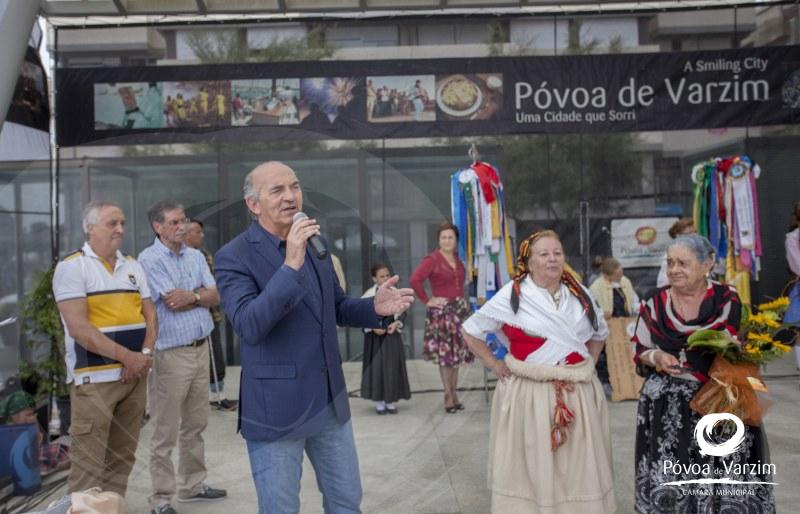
(447, 309)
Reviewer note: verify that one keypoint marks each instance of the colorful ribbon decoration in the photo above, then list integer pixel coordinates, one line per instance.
(725, 210)
(478, 210)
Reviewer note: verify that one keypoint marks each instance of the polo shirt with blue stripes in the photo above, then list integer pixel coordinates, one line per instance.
(113, 306)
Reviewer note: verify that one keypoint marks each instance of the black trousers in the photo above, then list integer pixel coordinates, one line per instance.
(219, 356)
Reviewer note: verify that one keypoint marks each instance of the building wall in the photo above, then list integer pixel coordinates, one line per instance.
(110, 47)
(539, 33)
(259, 37)
(183, 50)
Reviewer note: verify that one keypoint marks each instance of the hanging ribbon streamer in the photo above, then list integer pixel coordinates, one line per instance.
(478, 210)
(725, 210)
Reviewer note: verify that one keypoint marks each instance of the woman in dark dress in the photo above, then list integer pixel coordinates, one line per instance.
(666, 448)
(384, 379)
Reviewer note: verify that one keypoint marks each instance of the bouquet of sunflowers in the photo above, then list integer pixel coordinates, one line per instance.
(735, 378)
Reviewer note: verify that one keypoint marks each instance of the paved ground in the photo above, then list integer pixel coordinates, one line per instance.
(426, 461)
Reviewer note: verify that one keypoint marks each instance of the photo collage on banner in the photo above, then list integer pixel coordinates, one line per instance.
(156, 105)
(455, 97)
(312, 103)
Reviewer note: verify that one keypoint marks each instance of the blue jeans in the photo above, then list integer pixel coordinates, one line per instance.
(278, 466)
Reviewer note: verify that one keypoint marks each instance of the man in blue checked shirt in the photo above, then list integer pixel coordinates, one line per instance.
(183, 289)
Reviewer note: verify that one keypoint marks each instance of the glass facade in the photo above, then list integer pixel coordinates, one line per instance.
(25, 249)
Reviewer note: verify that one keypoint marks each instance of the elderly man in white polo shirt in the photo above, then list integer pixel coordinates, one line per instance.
(109, 330)
(183, 290)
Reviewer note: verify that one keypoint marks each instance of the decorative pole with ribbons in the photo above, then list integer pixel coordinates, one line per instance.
(725, 210)
(478, 210)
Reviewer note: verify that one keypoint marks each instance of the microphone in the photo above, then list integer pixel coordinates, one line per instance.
(316, 243)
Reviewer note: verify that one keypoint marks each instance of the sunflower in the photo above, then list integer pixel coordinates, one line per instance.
(763, 319)
(759, 338)
(751, 350)
(785, 348)
(778, 303)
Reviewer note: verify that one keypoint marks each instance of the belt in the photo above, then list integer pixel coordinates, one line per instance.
(198, 342)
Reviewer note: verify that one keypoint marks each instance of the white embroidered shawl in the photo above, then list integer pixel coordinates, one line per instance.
(566, 329)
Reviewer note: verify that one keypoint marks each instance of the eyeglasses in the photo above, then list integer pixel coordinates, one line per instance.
(175, 223)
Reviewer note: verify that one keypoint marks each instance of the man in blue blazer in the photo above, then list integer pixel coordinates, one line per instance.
(285, 303)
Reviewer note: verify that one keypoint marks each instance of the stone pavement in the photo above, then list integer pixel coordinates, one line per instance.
(424, 460)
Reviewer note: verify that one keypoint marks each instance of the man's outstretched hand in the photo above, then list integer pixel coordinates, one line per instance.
(389, 300)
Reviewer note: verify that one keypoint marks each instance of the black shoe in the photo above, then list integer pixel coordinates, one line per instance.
(451, 410)
(380, 412)
(164, 509)
(393, 410)
(206, 494)
(226, 405)
(459, 406)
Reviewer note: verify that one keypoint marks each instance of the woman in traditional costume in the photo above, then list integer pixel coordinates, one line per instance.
(665, 440)
(549, 448)
(384, 378)
(680, 227)
(616, 297)
(447, 309)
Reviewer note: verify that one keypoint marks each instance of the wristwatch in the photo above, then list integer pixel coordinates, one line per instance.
(147, 351)
(196, 299)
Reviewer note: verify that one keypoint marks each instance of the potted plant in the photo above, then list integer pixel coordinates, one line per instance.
(45, 337)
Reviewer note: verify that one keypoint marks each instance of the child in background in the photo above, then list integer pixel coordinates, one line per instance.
(19, 409)
(384, 379)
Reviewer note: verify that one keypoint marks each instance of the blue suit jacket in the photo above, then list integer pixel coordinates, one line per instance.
(289, 350)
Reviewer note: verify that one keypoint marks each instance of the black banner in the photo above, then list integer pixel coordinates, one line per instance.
(429, 97)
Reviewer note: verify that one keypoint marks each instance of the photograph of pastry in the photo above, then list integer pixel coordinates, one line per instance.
(476, 96)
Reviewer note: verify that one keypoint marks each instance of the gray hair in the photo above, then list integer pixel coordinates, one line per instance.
(155, 214)
(91, 213)
(249, 191)
(699, 245)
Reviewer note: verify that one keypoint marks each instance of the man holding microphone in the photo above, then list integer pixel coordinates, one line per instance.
(280, 292)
